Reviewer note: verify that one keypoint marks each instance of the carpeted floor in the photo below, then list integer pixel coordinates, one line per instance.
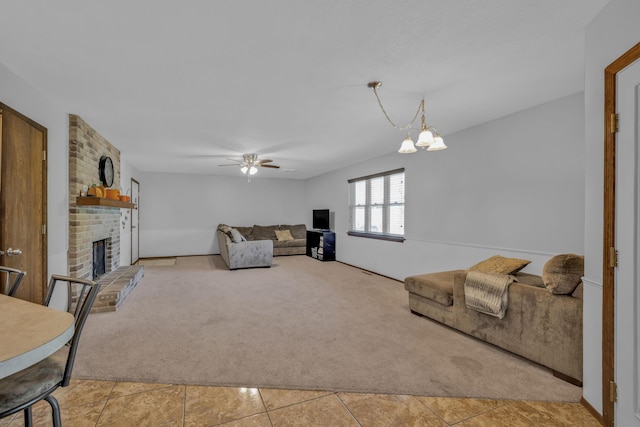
(301, 324)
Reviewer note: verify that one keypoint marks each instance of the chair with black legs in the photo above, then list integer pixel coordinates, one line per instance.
(12, 280)
(18, 392)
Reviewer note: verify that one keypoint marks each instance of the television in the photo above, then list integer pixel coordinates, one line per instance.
(321, 219)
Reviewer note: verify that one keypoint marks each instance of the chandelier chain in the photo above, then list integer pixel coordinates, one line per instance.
(408, 125)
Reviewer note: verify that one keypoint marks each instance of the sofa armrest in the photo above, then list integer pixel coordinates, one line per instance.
(256, 253)
(246, 254)
(458, 289)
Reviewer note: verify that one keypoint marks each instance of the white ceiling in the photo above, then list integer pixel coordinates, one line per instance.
(178, 86)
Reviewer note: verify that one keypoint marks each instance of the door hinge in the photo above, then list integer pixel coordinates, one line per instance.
(613, 257)
(613, 122)
(44, 156)
(44, 229)
(613, 392)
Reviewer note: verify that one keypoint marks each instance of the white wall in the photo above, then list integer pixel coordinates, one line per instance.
(513, 186)
(179, 213)
(127, 171)
(614, 31)
(17, 94)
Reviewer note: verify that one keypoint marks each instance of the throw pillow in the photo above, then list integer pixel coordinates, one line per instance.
(236, 237)
(298, 231)
(283, 235)
(563, 273)
(500, 265)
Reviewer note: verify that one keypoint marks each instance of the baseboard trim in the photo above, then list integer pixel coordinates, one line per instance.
(364, 270)
(591, 410)
(157, 257)
(567, 378)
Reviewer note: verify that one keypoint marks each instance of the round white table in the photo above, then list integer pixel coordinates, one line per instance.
(30, 333)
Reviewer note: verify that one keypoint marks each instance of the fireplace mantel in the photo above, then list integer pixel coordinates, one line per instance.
(101, 201)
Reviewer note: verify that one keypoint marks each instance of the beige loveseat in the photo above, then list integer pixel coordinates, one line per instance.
(539, 325)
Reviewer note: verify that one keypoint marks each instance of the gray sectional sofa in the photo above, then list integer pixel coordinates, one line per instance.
(249, 247)
(297, 245)
(543, 323)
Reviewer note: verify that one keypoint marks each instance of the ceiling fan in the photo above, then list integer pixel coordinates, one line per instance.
(249, 164)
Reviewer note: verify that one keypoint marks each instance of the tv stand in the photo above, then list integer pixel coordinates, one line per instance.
(321, 245)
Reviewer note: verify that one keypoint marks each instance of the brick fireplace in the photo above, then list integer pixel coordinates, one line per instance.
(90, 224)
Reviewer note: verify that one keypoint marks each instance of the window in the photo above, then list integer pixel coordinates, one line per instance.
(376, 206)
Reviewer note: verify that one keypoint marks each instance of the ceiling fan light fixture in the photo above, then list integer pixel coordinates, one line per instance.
(249, 164)
(251, 170)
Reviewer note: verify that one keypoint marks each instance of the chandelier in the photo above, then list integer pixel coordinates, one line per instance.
(428, 138)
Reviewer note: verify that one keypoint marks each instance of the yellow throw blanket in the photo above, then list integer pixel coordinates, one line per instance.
(487, 292)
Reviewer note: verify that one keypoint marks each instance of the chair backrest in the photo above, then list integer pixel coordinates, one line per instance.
(13, 278)
(81, 295)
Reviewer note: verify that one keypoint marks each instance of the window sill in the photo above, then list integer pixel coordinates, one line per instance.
(386, 237)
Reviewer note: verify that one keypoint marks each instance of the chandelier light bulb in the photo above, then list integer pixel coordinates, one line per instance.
(407, 146)
(425, 138)
(438, 144)
(253, 170)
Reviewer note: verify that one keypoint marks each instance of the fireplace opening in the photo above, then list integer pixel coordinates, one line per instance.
(99, 258)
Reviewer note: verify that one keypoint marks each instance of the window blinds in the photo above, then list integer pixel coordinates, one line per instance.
(376, 204)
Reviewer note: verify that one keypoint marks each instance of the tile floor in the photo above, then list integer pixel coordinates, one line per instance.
(107, 403)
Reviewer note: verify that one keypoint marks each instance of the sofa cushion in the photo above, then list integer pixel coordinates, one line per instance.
(246, 232)
(283, 235)
(500, 265)
(264, 232)
(234, 235)
(437, 286)
(298, 231)
(280, 244)
(296, 243)
(563, 273)
(529, 279)
(578, 291)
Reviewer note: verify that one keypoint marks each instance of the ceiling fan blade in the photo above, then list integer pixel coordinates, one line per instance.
(265, 161)
(232, 164)
(269, 166)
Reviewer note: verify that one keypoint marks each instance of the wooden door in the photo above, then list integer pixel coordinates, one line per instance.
(23, 201)
(627, 330)
(609, 249)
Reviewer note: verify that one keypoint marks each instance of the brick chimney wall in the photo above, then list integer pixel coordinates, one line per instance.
(90, 223)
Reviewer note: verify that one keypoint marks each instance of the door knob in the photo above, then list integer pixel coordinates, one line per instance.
(13, 252)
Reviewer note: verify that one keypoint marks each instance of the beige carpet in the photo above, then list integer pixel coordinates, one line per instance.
(301, 324)
(157, 262)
